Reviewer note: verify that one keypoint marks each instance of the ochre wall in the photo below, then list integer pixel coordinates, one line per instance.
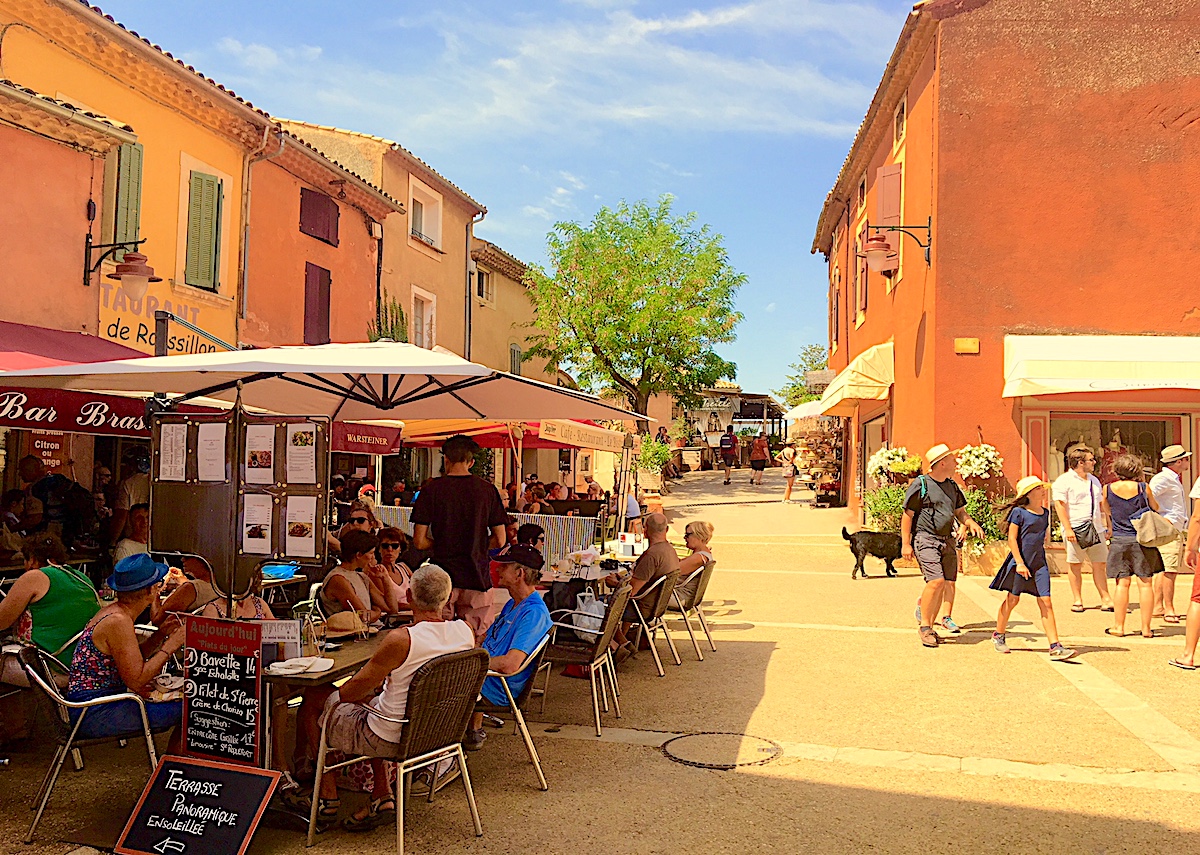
(496, 325)
(168, 137)
(43, 221)
(1069, 144)
(276, 263)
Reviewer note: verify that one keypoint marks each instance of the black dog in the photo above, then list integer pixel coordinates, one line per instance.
(877, 543)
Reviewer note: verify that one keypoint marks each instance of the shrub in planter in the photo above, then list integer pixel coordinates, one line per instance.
(654, 457)
(885, 507)
(983, 511)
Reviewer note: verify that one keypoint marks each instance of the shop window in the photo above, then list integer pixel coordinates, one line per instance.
(202, 260)
(1143, 436)
(319, 216)
(317, 282)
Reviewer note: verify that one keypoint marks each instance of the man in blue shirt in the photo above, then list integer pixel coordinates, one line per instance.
(516, 632)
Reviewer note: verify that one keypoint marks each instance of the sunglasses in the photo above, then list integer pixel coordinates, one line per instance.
(359, 520)
(389, 546)
(542, 538)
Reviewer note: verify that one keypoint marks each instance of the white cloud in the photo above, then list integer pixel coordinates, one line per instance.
(536, 211)
(260, 58)
(576, 183)
(770, 308)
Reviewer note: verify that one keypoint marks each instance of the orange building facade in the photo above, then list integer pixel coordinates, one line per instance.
(1056, 303)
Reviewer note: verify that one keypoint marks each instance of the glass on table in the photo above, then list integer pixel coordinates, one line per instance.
(364, 618)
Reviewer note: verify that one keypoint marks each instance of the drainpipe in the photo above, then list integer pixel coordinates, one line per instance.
(249, 160)
(470, 303)
(378, 288)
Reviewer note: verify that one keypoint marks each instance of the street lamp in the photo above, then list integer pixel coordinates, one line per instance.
(877, 251)
(135, 275)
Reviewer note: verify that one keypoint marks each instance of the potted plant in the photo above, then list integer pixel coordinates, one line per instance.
(879, 465)
(652, 460)
(983, 557)
(981, 466)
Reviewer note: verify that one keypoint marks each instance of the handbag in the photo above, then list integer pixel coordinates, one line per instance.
(1086, 535)
(1153, 529)
(587, 626)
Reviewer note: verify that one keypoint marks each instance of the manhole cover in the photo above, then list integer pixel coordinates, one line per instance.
(721, 750)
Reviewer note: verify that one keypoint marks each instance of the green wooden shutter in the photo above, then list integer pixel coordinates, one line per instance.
(127, 223)
(203, 231)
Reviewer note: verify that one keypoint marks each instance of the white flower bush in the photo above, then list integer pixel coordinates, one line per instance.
(980, 461)
(880, 462)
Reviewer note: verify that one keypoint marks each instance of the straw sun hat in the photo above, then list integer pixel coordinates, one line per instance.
(342, 624)
(1027, 484)
(936, 453)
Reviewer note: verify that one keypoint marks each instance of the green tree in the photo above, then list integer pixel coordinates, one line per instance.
(390, 323)
(813, 357)
(635, 301)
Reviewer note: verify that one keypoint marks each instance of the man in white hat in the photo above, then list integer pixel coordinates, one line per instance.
(931, 506)
(1167, 488)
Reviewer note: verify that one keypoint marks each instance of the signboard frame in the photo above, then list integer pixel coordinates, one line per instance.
(248, 638)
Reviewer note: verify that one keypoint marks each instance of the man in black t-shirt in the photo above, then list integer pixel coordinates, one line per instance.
(459, 517)
(931, 506)
(729, 451)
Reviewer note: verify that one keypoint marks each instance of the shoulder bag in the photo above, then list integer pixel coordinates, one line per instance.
(1153, 529)
(1086, 535)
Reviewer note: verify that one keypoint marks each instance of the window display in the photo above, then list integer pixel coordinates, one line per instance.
(1144, 436)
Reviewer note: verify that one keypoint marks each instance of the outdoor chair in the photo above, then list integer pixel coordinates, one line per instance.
(688, 606)
(595, 658)
(41, 679)
(441, 699)
(650, 605)
(516, 706)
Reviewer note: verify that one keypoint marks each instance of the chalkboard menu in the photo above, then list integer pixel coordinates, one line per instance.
(197, 807)
(221, 715)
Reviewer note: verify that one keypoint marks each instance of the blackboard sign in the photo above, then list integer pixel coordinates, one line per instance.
(221, 715)
(197, 807)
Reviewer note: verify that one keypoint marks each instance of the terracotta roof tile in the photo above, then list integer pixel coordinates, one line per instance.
(65, 105)
(349, 172)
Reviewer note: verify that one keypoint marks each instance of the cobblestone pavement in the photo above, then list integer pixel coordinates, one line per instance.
(884, 746)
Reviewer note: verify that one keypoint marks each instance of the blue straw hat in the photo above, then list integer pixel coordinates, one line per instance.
(137, 572)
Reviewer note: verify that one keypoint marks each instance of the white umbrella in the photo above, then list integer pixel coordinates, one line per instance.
(347, 382)
(803, 411)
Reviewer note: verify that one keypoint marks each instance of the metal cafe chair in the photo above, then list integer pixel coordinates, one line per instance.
(41, 679)
(650, 605)
(689, 605)
(595, 658)
(441, 699)
(516, 705)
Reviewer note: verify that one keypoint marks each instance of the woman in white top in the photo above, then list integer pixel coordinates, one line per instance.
(787, 456)
(346, 587)
(695, 537)
(391, 575)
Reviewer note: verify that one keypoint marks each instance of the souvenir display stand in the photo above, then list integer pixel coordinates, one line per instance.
(819, 445)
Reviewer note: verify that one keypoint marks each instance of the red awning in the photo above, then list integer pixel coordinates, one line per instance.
(24, 346)
(496, 436)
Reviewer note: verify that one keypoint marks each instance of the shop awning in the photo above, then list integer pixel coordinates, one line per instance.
(868, 377)
(24, 346)
(549, 434)
(1059, 364)
(808, 410)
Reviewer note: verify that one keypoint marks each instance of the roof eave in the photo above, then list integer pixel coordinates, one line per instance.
(376, 196)
(118, 135)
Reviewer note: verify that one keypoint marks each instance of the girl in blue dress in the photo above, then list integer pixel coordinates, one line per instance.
(1025, 570)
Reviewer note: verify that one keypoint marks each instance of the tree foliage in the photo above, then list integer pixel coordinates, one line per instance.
(813, 357)
(635, 301)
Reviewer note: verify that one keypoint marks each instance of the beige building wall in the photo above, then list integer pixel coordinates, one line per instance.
(500, 312)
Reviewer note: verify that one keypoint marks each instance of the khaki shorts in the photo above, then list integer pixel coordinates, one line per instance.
(936, 556)
(349, 731)
(1097, 554)
(1172, 554)
(475, 607)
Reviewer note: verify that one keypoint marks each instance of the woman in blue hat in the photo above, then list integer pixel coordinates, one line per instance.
(109, 660)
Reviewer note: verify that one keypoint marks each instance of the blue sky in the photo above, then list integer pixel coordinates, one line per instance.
(544, 111)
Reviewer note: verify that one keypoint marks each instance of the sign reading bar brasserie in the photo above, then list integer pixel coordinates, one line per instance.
(72, 412)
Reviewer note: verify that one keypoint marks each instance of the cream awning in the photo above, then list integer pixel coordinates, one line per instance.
(1057, 364)
(803, 411)
(868, 377)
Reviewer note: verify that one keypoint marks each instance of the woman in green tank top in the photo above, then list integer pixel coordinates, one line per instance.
(50, 603)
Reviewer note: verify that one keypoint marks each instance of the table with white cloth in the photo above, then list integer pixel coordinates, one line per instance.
(564, 535)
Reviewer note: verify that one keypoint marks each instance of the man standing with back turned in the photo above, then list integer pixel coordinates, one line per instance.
(931, 506)
(460, 516)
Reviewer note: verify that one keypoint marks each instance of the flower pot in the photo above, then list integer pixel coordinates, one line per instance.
(986, 563)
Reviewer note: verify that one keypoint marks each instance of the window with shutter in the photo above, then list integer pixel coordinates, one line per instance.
(863, 270)
(128, 202)
(889, 182)
(834, 295)
(316, 304)
(514, 359)
(203, 231)
(319, 216)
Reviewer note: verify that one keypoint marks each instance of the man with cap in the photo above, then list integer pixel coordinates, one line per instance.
(1167, 489)
(516, 632)
(931, 506)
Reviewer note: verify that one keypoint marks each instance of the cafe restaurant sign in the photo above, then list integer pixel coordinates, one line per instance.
(72, 412)
(581, 435)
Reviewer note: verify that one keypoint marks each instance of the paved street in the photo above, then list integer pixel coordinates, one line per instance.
(887, 747)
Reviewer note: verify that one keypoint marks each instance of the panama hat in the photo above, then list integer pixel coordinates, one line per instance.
(342, 624)
(1027, 484)
(936, 453)
(1173, 453)
(137, 572)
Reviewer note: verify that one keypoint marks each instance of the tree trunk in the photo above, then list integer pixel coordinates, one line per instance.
(641, 403)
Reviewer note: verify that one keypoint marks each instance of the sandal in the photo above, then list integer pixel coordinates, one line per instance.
(1077, 607)
(1152, 634)
(327, 809)
(1107, 608)
(1185, 666)
(1171, 618)
(379, 812)
(1112, 631)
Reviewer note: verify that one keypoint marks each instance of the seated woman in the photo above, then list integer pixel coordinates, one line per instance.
(695, 537)
(194, 594)
(347, 587)
(50, 603)
(391, 575)
(361, 518)
(109, 660)
(250, 607)
(539, 504)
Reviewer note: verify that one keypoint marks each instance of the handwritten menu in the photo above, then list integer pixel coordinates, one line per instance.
(197, 806)
(221, 715)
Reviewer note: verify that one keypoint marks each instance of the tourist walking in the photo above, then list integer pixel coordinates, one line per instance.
(729, 448)
(1025, 570)
(1083, 512)
(1128, 498)
(932, 505)
(1191, 560)
(787, 457)
(760, 453)
(1167, 487)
